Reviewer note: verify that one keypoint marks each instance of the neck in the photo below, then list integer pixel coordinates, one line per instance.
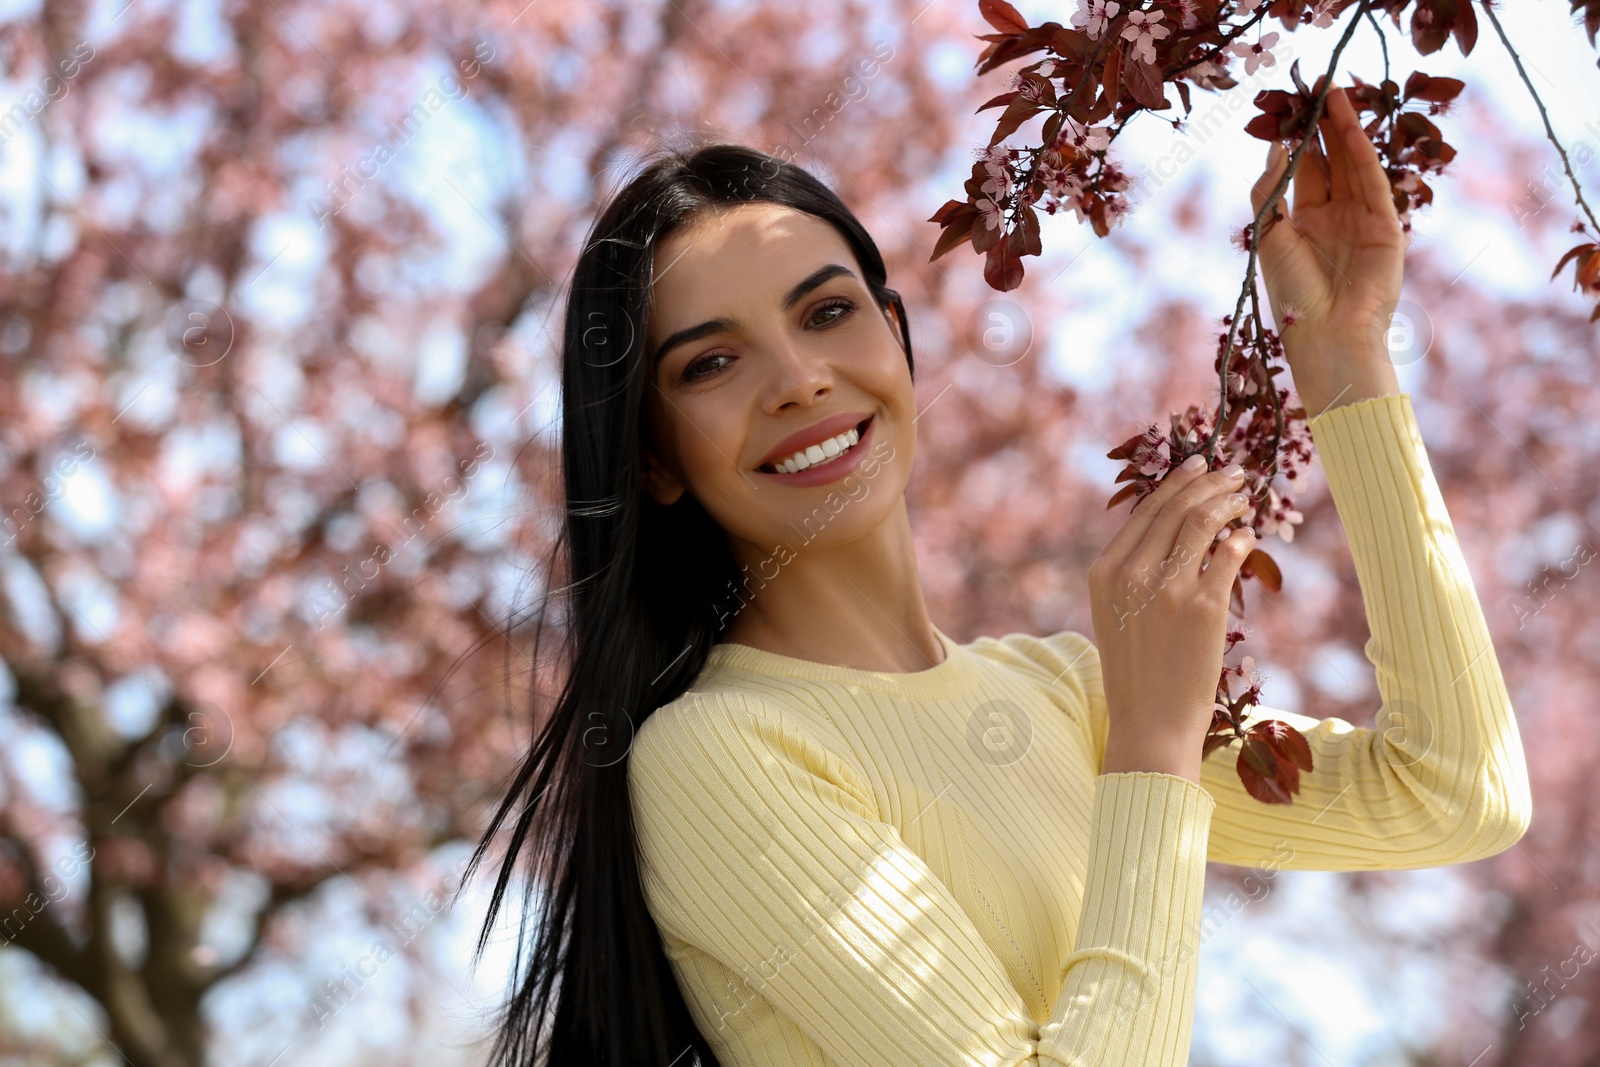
(855, 604)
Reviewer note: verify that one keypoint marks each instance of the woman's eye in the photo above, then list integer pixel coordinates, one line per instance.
(843, 306)
(689, 374)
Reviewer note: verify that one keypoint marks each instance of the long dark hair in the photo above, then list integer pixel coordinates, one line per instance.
(649, 593)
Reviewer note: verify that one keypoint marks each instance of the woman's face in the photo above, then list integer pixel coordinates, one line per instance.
(760, 328)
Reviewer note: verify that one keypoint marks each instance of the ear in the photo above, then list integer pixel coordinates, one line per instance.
(656, 480)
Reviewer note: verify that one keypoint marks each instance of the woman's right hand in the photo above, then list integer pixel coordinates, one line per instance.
(1160, 610)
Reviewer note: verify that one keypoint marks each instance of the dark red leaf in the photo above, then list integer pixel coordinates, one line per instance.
(1573, 251)
(1262, 566)
(1111, 77)
(1031, 243)
(959, 230)
(1005, 47)
(998, 101)
(1258, 754)
(1293, 744)
(1144, 83)
(1125, 449)
(985, 237)
(1591, 21)
(1466, 28)
(949, 210)
(1003, 269)
(1002, 16)
(1589, 271)
(1264, 127)
(1120, 495)
(1076, 42)
(1434, 90)
(1017, 112)
(1263, 788)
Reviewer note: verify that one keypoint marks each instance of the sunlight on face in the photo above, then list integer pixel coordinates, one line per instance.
(800, 344)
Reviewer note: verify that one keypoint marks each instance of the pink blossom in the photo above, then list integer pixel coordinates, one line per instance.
(1089, 139)
(999, 184)
(1258, 54)
(1242, 383)
(1205, 74)
(990, 212)
(1093, 15)
(1322, 14)
(1280, 517)
(1023, 87)
(1154, 453)
(1143, 31)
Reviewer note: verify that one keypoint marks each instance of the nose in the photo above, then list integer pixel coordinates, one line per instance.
(798, 377)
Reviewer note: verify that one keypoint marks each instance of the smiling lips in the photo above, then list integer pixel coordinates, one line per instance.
(816, 444)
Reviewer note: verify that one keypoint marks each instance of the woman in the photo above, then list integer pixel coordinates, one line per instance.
(781, 818)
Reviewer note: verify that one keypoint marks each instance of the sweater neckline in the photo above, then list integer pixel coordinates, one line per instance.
(951, 677)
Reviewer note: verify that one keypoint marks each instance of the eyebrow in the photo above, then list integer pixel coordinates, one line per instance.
(727, 325)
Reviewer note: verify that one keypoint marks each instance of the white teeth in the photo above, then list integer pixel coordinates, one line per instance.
(819, 453)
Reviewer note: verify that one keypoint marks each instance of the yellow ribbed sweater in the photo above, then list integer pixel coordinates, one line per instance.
(888, 869)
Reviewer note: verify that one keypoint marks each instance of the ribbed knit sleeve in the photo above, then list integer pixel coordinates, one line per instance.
(1441, 777)
(779, 888)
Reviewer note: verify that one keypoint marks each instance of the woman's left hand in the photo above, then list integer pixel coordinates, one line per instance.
(1336, 259)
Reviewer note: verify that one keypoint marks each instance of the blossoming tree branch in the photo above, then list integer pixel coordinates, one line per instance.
(1331, 264)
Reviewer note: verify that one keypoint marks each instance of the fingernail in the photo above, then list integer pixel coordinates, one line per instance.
(1233, 470)
(1195, 462)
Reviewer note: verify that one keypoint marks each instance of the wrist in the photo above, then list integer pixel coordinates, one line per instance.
(1327, 378)
(1163, 759)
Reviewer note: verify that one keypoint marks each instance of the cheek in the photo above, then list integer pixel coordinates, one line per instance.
(709, 446)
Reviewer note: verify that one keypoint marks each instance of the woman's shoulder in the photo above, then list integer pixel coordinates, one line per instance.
(712, 719)
(1065, 657)
(724, 740)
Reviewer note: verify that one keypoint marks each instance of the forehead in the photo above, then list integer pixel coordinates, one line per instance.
(727, 255)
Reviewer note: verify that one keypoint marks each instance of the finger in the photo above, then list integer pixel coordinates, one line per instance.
(1347, 128)
(1124, 541)
(1278, 236)
(1223, 567)
(1202, 526)
(1371, 181)
(1333, 144)
(1161, 539)
(1277, 159)
(1311, 177)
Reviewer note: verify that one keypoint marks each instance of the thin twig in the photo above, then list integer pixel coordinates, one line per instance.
(1270, 208)
(1383, 42)
(1550, 133)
